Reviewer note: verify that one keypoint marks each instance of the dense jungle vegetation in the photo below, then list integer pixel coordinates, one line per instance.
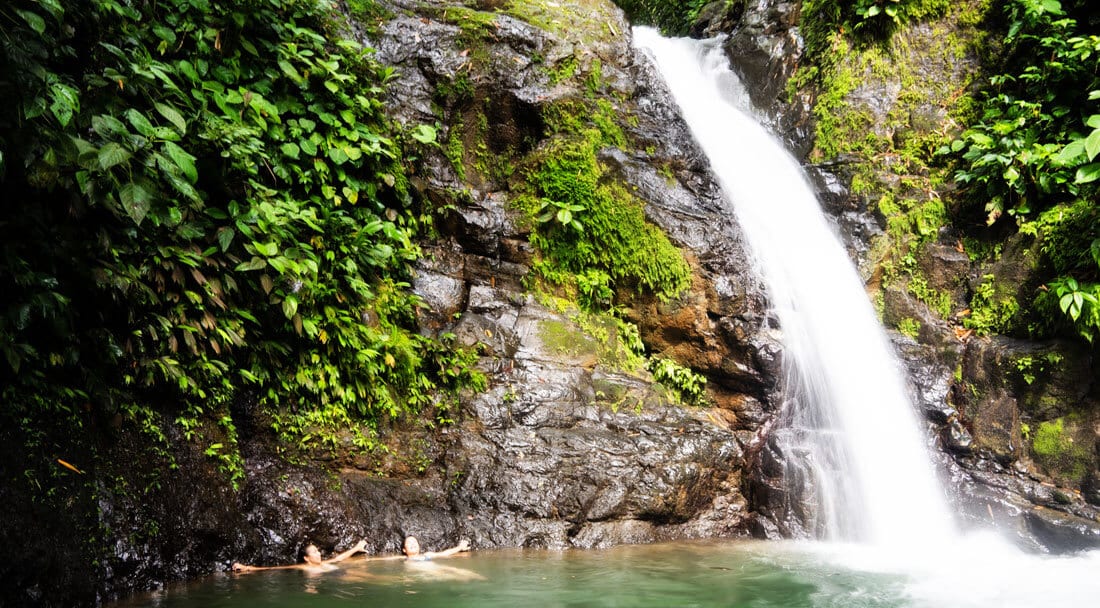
(204, 205)
(1025, 160)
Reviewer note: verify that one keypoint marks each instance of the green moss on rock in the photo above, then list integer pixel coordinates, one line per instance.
(1056, 449)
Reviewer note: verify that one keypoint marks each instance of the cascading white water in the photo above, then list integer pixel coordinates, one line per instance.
(849, 412)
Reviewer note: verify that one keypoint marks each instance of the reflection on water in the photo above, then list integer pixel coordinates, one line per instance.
(699, 574)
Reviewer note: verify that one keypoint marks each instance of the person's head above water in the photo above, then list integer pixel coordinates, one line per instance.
(312, 555)
(411, 547)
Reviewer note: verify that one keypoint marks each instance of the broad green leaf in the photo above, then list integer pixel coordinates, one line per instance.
(290, 149)
(1092, 144)
(981, 139)
(37, 23)
(225, 237)
(1089, 173)
(183, 160)
(290, 307)
(1069, 153)
(268, 249)
(1094, 120)
(279, 263)
(424, 134)
(54, 7)
(290, 71)
(136, 200)
(337, 155)
(173, 116)
(66, 101)
(107, 126)
(256, 263)
(141, 123)
(112, 154)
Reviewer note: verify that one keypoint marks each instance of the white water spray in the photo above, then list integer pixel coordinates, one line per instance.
(870, 471)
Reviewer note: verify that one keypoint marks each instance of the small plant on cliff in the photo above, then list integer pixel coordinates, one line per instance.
(689, 386)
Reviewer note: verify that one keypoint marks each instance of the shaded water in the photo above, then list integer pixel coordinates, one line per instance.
(707, 574)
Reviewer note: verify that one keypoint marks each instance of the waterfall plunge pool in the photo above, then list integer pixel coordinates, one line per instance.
(741, 574)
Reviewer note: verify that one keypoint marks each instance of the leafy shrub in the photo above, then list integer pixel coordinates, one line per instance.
(203, 202)
(1032, 155)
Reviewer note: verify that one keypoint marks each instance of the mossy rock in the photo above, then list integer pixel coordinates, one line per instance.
(1065, 448)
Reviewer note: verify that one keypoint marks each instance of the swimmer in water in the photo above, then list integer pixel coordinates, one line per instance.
(412, 552)
(311, 560)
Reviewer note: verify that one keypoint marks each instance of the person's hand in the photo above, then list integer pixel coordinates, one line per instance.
(464, 545)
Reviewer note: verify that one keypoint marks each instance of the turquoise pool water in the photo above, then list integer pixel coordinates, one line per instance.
(696, 574)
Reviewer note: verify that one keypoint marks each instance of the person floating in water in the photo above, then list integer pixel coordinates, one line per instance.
(411, 549)
(311, 560)
(420, 565)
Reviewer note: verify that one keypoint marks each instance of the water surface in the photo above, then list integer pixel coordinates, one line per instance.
(742, 574)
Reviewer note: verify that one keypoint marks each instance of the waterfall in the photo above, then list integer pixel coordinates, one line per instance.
(847, 415)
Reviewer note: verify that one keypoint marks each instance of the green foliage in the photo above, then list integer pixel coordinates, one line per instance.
(199, 204)
(689, 386)
(1080, 303)
(1032, 155)
(909, 327)
(863, 20)
(1032, 368)
(672, 17)
(613, 236)
(369, 13)
(991, 310)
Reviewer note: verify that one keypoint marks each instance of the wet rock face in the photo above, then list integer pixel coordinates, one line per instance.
(561, 453)
(764, 49)
(565, 450)
(975, 398)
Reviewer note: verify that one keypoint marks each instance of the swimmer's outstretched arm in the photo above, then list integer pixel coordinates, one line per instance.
(383, 558)
(239, 567)
(463, 545)
(359, 546)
